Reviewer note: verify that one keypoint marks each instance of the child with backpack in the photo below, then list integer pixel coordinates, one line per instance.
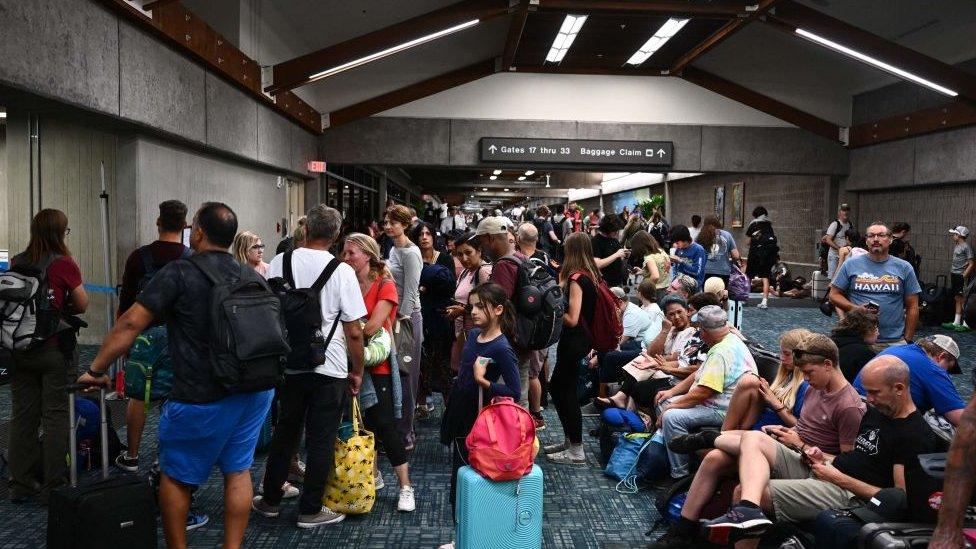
(487, 357)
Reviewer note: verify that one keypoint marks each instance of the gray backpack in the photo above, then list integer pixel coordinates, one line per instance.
(27, 315)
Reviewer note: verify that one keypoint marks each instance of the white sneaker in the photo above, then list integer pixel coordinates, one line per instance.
(288, 490)
(762, 305)
(378, 483)
(449, 545)
(406, 503)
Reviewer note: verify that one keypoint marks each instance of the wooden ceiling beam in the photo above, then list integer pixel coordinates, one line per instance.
(957, 114)
(701, 11)
(412, 92)
(790, 16)
(603, 71)
(296, 72)
(157, 4)
(515, 29)
(762, 103)
(720, 36)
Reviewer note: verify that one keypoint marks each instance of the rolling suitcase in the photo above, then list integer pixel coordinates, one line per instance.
(110, 512)
(895, 535)
(498, 515)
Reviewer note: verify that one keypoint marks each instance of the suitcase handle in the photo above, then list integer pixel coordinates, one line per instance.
(73, 430)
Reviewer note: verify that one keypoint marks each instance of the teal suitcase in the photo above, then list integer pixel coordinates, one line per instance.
(498, 515)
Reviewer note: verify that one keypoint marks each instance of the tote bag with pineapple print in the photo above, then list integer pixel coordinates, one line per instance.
(350, 489)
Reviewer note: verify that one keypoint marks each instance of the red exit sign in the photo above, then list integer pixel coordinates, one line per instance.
(316, 166)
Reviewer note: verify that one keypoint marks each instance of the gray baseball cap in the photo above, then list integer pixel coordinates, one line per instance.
(712, 317)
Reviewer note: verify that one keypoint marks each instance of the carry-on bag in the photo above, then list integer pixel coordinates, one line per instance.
(110, 512)
(498, 515)
(350, 489)
(895, 535)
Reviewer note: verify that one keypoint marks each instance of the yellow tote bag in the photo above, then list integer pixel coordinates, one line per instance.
(350, 489)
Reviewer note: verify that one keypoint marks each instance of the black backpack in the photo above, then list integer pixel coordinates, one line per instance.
(149, 268)
(302, 311)
(539, 306)
(763, 240)
(248, 342)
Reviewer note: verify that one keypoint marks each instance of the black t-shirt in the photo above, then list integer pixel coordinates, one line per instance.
(605, 246)
(587, 307)
(884, 442)
(544, 227)
(180, 292)
(161, 252)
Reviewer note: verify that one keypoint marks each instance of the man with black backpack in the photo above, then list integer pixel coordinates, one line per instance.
(325, 363)
(835, 238)
(227, 345)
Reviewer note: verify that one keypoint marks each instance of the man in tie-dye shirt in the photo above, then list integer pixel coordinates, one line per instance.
(705, 396)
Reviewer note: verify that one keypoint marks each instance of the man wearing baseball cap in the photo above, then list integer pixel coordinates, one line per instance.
(962, 268)
(930, 360)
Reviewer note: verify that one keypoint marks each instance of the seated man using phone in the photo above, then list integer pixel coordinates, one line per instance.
(829, 421)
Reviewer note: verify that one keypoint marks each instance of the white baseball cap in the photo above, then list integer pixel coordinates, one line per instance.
(960, 230)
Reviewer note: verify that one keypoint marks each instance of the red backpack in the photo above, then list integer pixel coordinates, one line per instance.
(606, 327)
(500, 444)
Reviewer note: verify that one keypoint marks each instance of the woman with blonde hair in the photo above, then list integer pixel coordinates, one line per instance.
(249, 250)
(578, 277)
(380, 393)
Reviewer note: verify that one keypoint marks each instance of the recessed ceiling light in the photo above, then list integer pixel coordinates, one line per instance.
(497, 172)
(345, 187)
(564, 39)
(3, 114)
(390, 51)
(521, 178)
(529, 172)
(484, 188)
(506, 190)
(494, 177)
(654, 43)
(874, 62)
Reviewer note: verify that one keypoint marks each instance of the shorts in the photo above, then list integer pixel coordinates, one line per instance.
(536, 359)
(195, 437)
(789, 464)
(957, 283)
(801, 500)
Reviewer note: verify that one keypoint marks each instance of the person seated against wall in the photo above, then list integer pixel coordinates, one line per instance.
(930, 361)
(756, 403)
(829, 420)
(702, 400)
(854, 335)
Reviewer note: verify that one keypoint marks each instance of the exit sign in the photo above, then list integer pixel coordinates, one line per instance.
(316, 166)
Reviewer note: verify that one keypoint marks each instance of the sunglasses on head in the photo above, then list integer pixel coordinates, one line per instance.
(800, 353)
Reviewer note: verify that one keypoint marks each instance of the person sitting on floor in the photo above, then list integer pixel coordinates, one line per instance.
(647, 293)
(829, 420)
(701, 400)
(854, 335)
(930, 362)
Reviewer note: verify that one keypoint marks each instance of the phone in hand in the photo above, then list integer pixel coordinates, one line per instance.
(872, 306)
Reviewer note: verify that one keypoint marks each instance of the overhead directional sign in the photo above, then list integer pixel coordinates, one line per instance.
(576, 151)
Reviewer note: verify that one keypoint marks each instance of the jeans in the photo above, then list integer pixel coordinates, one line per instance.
(680, 421)
(37, 386)
(564, 383)
(836, 528)
(612, 363)
(411, 382)
(318, 401)
(379, 420)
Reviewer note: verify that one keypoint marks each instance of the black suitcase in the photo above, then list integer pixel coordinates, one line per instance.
(110, 512)
(895, 535)
(937, 304)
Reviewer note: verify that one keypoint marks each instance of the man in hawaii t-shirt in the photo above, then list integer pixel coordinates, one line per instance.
(877, 282)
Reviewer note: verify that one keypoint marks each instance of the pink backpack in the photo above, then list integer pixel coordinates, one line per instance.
(500, 444)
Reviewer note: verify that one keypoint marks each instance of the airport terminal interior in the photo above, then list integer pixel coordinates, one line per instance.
(847, 126)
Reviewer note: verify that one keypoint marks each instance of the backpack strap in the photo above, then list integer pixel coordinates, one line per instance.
(148, 266)
(317, 288)
(187, 253)
(286, 268)
(208, 271)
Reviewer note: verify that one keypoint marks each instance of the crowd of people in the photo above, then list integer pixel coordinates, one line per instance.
(838, 424)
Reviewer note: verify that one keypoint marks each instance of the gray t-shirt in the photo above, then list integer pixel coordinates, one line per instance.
(405, 264)
(839, 230)
(886, 283)
(962, 254)
(719, 260)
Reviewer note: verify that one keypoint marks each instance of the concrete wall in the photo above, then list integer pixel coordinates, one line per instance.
(78, 53)
(3, 184)
(925, 160)
(798, 208)
(446, 142)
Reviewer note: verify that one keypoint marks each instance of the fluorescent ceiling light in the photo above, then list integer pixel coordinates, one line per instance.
(506, 190)
(654, 43)
(564, 39)
(484, 188)
(521, 178)
(496, 172)
(529, 172)
(3, 114)
(390, 51)
(875, 62)
(494, 177)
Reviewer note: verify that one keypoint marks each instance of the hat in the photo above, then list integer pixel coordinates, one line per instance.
(960, 230)
(714, 285)
(948, 345)
(888, 505)
(619, 292)
(712, 317)
(492, 225)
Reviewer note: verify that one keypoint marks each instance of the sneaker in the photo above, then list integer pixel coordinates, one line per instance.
(762, 305)
(260, 507)
(378, 483)
(567, 457)
(323, 517)
(296, 472)
(692, 442)
(949, 325)
(672, 539)
(554, 448)
(960, 327)
(126, 463)
(196, 520)
(540, 422)
(420, 412)
(288, 490)
(743, 521)
(406, 503)
(448, 545)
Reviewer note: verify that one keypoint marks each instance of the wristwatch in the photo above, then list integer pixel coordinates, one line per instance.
(93, 373)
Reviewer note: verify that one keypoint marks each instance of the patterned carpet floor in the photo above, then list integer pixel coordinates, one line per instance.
(581, 507)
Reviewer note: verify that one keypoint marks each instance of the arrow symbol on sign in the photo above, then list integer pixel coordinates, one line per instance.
(661, 153)
(492, 149)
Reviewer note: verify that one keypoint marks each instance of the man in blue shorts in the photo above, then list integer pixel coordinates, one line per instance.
(201, 426)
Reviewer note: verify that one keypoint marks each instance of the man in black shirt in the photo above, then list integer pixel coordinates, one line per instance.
(608, 253)
(201, 425)
(892, 435)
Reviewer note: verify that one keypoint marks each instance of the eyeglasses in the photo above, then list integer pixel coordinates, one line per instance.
(877, 235)
(258, 247)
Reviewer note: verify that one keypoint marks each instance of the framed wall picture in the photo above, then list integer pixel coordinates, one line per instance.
(738, 204)
(720, 204)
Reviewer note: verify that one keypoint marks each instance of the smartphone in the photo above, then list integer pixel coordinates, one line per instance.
(872, 306)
